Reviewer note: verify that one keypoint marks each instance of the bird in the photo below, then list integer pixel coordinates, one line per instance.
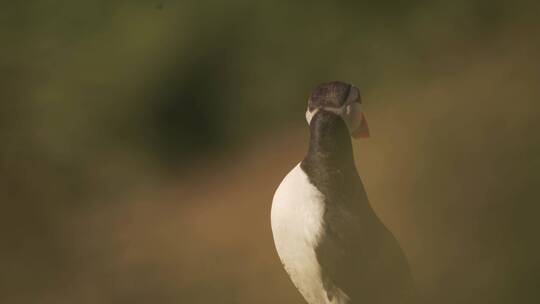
(331, 243)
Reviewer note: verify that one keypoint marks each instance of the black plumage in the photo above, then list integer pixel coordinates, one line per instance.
(356, 252)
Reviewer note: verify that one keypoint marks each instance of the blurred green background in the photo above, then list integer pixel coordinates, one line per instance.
(142, 141)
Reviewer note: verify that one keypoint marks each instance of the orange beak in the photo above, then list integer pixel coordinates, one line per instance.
(362, 131)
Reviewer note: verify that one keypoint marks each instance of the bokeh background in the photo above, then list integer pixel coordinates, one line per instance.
(142, 141)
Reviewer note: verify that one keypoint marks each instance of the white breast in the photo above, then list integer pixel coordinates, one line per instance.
(297, 225)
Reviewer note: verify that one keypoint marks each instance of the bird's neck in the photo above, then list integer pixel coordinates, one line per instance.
(330, 150)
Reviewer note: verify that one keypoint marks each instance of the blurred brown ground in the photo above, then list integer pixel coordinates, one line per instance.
(142, 143)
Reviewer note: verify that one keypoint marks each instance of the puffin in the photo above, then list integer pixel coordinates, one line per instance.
(330, 241)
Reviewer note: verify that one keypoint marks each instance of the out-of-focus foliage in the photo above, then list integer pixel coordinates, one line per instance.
(141, 142)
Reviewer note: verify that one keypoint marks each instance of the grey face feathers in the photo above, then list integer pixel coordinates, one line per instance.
(329, 95)
(342, 99)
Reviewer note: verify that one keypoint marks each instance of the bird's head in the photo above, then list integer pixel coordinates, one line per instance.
(342, 99)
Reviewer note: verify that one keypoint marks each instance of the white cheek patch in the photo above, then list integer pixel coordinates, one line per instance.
(349, 112)
(310, 114)
(339, 111)
(346, 111)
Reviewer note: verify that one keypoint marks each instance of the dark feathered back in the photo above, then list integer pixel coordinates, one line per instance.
(357, 253)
